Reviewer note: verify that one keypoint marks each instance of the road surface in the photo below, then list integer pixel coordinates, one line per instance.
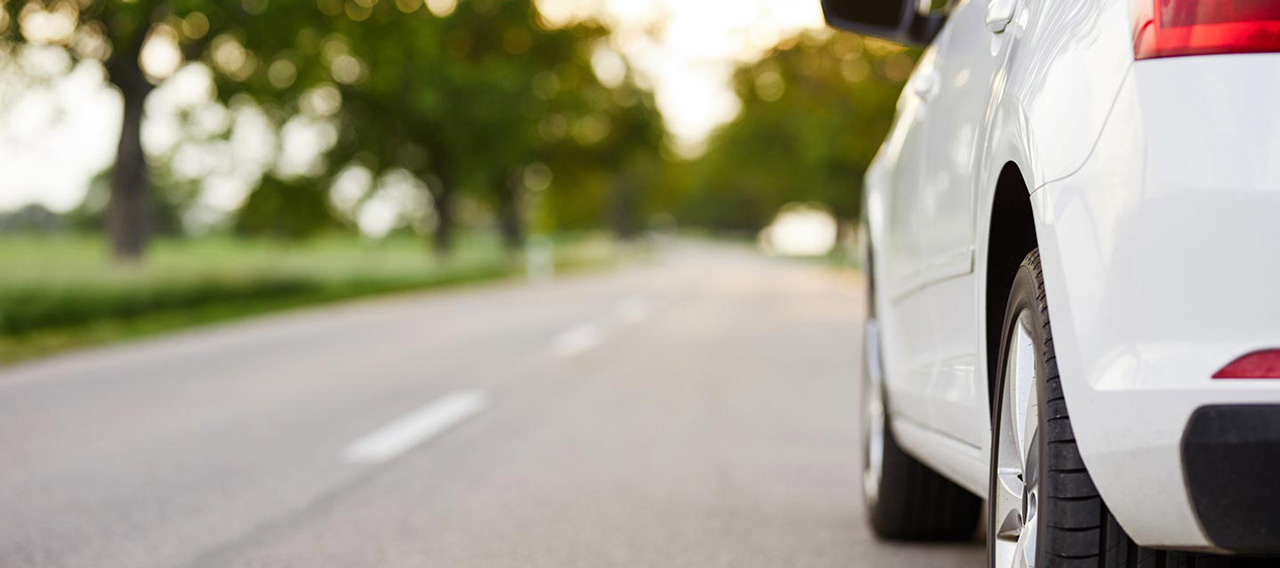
(699, 410)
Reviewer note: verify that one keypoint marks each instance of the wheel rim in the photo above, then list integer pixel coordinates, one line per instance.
(872, 427)
(1017, 484)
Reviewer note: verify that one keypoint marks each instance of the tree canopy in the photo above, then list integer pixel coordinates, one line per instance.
(814, 111)
(118, 34)
(444, 103)
(479, 98)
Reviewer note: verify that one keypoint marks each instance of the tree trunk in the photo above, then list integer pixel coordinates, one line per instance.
(442, 240)
(510, 219)
(622, 208)
(128, 209)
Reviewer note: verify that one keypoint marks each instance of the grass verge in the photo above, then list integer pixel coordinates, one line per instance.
(61, 293)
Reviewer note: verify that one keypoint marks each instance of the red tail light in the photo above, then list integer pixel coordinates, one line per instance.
(1256, 365)
(1165, 28)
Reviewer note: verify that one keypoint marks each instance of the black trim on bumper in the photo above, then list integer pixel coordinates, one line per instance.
(1231, 460)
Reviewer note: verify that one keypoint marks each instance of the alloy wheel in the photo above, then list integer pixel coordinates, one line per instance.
(1018, 460)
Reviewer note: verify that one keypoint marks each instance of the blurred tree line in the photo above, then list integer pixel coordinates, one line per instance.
(814, 112)
(478, 98)
(466, 102)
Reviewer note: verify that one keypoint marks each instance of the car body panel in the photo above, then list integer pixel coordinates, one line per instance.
(928, 214)
(1157, 211)
(965, 76)
(1164, 259)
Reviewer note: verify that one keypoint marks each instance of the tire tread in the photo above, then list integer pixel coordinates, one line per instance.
(1079, 530)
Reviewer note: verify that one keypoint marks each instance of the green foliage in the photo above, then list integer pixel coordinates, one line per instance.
(33, 218)
(814, 112)
(616, 178)
(285, 209)
(66, 281)
(117, 33)
(171, 197)
(465, 101)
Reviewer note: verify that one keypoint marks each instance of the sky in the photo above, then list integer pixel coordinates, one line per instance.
(55, 138)
(687, 49)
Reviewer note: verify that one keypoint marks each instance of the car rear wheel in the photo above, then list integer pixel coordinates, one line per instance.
(1014, 503)
(905, 499)
(1044, 510)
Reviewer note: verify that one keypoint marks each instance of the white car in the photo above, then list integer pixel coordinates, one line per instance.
(1074, 255)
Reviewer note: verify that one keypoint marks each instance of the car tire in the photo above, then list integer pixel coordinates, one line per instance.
(1043, 509)
(905, 500)
(1073, 527)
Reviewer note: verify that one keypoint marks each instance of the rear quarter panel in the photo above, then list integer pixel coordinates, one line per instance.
(1064, 63)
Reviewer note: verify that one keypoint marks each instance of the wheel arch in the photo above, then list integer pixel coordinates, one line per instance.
(1011, 236)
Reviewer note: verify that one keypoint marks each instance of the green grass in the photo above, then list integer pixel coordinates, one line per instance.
(58, 293)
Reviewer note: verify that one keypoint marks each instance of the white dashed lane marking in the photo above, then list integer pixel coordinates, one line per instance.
(416, 427)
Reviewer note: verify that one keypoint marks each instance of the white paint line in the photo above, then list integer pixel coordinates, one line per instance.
(416, 427)
(633, 310)
(578, 340)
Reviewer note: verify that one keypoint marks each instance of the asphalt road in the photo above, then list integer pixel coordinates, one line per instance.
(696, 411)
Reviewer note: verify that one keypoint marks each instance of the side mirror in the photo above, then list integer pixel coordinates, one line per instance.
(903, 21)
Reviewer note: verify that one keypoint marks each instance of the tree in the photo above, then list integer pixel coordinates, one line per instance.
(164, 212)
(33, 218)
(467, 98)
(814, 111)
(118, 33)
(608, 167)
(285, 209)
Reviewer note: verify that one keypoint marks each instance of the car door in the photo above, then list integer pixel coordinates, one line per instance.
(968, 61)
(907, 334)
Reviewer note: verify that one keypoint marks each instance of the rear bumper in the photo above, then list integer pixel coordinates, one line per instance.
(1231, 460)
(1162, 264)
